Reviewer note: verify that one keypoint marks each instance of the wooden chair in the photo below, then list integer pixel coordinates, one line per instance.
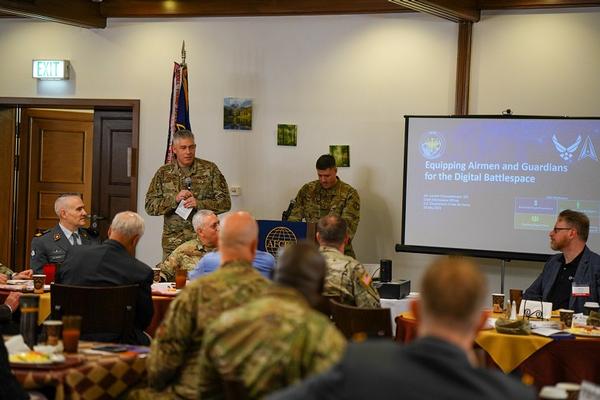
(325, 306)
(351, 320)
(234, 389)
(106, 311)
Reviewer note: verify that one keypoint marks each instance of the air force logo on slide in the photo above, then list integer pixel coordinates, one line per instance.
(432, 145)
(566, 153)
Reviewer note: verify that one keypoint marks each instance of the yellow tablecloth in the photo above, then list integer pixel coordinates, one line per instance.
(44, 307)
(509, 351)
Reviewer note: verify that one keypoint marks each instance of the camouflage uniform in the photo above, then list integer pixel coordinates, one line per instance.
(185, 256)
(348, 279)
(6, 271)
(172, 363)
(314, 202)
(270, 343)
(208, 186)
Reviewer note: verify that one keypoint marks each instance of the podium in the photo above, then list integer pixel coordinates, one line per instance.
(273, 235)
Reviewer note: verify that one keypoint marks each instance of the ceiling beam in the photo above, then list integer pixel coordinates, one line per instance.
(457, 11)
(523, 4)
(81, 13)
(217, 8)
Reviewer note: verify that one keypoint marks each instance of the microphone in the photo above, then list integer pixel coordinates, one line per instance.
(187, 181)
(286, 214)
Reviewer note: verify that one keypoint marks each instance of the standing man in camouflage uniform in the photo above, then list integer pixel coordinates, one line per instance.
(328, 196)
(198, 183)
(346, 277)
(53, 245)
(284, 339)
(187, 255)
(172, 363)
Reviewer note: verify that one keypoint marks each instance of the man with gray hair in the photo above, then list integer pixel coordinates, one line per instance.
(173, 361)
(187, 181)
(187, 255)
(52, 245)
(112, 264)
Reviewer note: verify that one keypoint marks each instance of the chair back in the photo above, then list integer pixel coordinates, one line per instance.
(234, 389)
(325, 306)
(351, 320)
(104, 310)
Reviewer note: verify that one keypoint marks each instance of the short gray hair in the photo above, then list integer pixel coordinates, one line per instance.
(59, 204)
(128, 223)
(199, 217)
(183, 134)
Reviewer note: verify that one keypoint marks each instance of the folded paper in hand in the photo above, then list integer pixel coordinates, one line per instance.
(182, 211)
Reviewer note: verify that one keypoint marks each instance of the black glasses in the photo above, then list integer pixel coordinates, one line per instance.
(555, 229)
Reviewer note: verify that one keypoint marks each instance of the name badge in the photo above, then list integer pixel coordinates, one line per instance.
(580, 290)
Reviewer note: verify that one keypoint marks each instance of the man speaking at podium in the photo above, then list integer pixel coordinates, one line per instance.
(328, 196)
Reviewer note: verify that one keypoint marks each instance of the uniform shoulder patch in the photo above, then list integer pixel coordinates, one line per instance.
(366, 279)
(38, 234)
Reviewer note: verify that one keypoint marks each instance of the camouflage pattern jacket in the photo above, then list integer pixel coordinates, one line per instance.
(6, 271)
(186, 256)
(348, 279)
(209, 188)
(172, 363)
(269, 343)
(314, 202)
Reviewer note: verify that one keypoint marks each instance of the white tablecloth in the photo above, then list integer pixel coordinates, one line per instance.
(398, 306)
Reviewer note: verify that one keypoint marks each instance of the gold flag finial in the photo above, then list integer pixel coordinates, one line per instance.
(183, 53)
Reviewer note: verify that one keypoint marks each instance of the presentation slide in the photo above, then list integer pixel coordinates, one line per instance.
(497, 184)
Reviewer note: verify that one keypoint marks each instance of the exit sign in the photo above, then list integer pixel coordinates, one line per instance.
(51, 69)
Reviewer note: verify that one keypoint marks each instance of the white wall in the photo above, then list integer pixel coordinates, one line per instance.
(341, 79)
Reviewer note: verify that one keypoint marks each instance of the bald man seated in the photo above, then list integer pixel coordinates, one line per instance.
(172, 364)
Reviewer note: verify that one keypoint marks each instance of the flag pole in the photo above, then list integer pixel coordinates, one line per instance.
(183, 54)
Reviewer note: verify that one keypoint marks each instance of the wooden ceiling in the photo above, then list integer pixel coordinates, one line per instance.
(94, 13)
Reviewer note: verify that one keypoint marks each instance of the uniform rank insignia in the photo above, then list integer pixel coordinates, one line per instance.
(56, 236)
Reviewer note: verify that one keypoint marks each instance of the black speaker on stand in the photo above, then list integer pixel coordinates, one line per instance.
(385, 270)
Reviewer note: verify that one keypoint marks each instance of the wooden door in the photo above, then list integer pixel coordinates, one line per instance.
(7, 174)
(60, 161)
(113, 166)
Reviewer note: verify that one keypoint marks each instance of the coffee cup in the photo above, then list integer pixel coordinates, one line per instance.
(38, 283)
(587, 307)
(566, 317)
(52, 329)
(498, 302)
(156, 274)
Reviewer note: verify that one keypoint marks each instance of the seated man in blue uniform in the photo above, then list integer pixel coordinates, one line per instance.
(112, 264)
(438, 365)
(570, 278)
(264, 263)
(53, 245)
